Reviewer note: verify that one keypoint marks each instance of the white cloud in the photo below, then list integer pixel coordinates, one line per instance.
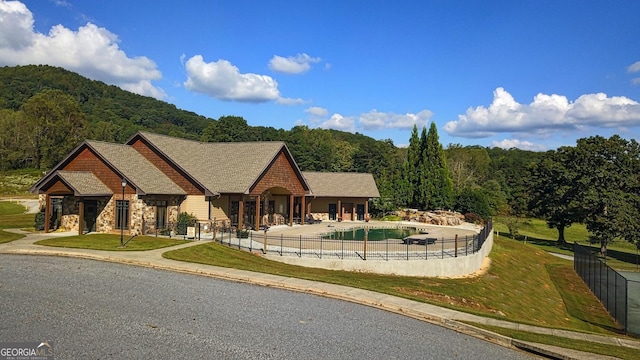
(290, 101)
(544, 114)
(90, 51)
(317, 111)
(635, 67)
(380, 120)
(339, 122)
(222, 80)
(514, 143)
(298, 64)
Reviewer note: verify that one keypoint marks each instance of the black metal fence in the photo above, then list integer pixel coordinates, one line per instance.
(619, 295)
(316, 246)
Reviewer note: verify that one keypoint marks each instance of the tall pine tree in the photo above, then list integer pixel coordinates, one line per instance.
(436, 189)
(412, 170)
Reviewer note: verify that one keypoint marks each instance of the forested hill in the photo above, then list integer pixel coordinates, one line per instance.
(108, 113)
(109, 108)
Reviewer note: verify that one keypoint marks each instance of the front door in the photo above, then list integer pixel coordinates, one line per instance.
(90, 215)
(333, 211)
(360, 212)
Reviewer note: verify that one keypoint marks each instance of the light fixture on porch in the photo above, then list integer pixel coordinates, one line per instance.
(124, 184)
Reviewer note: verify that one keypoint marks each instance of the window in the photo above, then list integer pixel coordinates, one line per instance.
(161, 214)
(122, 214)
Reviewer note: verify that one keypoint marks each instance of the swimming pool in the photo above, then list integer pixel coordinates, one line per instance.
(373, 234)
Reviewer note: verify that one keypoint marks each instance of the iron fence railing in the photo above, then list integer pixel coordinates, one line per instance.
(619, 295)
(317, 246)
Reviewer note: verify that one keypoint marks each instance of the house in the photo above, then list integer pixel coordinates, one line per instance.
(141, 186)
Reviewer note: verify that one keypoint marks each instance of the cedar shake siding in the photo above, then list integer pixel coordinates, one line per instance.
(280, 174)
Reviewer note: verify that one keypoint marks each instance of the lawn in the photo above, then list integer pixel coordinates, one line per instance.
(111, 242)
(524, 284)
(12, 216)
(621, 254)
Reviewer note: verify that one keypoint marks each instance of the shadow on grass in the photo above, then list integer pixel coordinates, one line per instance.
(539, 242)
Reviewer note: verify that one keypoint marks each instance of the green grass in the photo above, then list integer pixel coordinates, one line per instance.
(580, 345)
(6, 237)
(11, 208)
(621, 255)
(12, 216)
(524, 284)
(110, 242)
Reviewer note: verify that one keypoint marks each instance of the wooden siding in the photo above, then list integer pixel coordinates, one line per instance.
(172, 172)
(87, 160)
(58, 188)
(196, 205)
(280, 174)
(220, 208)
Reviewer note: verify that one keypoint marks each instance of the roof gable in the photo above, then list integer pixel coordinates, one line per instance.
(113, 161)
(228, 167)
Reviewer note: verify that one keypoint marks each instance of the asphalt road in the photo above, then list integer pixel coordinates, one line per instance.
(95, 310)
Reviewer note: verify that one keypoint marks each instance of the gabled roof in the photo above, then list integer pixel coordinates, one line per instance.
(83, 183)
(136, 169)
(228, 167)
(123, 160)
(326, 184)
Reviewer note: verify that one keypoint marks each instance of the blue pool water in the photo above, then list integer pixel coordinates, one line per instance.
(373, 234)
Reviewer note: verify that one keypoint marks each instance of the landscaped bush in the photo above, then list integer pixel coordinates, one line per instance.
(39, 221)
(184, 220)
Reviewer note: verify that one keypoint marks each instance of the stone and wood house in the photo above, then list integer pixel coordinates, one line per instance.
(141, 186)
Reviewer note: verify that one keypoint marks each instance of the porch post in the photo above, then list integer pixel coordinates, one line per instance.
(241, 213)
(303, 211)
(47, 212)
(366, 208)
(257, 213)
(81, 217)
(291, 199)
(339, 210)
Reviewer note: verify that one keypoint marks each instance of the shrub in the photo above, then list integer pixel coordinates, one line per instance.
(242, 233)
(39, 221)
(184, 220)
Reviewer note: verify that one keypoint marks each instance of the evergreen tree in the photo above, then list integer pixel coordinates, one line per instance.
(412, 170)
(437, 189)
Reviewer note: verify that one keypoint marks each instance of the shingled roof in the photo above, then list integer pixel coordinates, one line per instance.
(227, 167)
(144, 176)
(326, 184)
(83, 183)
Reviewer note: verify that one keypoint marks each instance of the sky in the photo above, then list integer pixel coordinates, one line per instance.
(535, 75)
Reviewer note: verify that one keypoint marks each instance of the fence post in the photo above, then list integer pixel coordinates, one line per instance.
(300, 245)
(321, 246)
(407, 250)
(456, 245)
(280, 244)
(387, 249)
(442, 249)
(426, 249)
(466, 245)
